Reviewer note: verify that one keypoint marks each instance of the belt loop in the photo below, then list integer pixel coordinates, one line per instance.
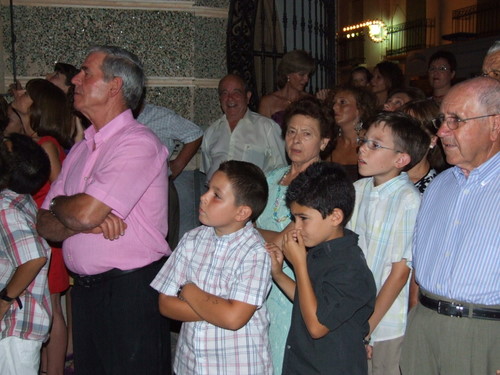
(471, 311)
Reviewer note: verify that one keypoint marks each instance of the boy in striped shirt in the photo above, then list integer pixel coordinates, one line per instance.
(384, 216)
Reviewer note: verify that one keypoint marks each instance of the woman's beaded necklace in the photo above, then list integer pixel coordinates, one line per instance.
(280, 198)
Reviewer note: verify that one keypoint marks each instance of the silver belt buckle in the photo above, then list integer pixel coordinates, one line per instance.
(450, 309)
(459, 310)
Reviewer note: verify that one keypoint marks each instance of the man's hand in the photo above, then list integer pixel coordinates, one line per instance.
(50, 228)
(111, 228)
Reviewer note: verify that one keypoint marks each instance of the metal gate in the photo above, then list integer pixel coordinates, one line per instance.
(261, 31)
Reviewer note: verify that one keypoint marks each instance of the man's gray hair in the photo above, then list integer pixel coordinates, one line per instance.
(124, 64)
(486, 92)
(494, 48)
(489, 95)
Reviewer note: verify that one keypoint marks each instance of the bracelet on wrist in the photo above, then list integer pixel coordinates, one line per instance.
(6, 298)
(179, 291)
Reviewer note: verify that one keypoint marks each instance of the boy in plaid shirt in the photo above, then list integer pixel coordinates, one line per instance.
(24, 257)
(217, 279)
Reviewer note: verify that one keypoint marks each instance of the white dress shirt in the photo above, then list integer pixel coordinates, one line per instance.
(255, 139)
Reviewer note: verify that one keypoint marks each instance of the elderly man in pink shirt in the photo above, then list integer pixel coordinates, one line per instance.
(109, 206)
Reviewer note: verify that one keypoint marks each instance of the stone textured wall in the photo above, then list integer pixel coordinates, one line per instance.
(182, 44)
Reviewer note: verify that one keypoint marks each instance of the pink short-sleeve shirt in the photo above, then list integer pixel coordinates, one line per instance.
(126, 170)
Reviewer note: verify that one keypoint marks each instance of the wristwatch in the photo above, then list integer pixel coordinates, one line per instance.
(6, 298)
(51, 206)
(179, 291)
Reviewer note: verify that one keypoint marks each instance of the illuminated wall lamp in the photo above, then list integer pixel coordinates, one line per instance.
(377, 30)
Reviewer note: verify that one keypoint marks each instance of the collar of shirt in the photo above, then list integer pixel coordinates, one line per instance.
(389, 187)
(332, 247)
(231, 236)
(244, 118)
(93, 137)
(24, 202)
(482, 174)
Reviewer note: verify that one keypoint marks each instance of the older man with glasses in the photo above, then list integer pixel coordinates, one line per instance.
(456, 256)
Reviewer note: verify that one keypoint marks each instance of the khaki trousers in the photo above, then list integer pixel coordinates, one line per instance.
(437, 344)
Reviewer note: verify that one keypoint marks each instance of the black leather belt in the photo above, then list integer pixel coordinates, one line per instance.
(459, 310)
(88, 281)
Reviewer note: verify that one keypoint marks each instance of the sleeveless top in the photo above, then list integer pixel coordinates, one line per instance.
(40, 195)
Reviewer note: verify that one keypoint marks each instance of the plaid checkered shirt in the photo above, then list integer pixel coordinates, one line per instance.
(20, 243)
(234, 266)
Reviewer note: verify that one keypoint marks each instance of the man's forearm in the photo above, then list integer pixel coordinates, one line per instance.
(50, 228)
(185, 155)
(79, 212)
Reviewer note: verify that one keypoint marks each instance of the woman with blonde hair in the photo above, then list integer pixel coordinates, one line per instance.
(294, 72)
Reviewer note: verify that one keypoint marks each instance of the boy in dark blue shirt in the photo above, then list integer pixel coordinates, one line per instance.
(334, 292)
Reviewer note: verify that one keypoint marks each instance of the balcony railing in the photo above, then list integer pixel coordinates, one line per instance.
(480, 20)
(410, 36)
(351, 50)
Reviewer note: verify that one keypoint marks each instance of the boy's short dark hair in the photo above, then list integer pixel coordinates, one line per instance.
(323, 186)
(25, 167)
(409, 137)
(249, 185)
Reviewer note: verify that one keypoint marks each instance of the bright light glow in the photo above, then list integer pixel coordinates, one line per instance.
(377, 30)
